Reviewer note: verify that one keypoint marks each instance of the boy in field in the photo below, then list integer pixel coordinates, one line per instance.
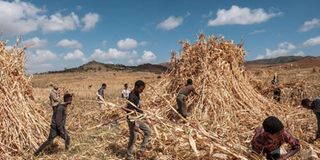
(269, 138)
(58, 122)
(181, 98)
(101, 94)
(125, 92)
(276, 88)
(315, 107)
(54, 96)
(134, 123)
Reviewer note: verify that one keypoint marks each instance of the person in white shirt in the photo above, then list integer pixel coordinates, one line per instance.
(125, 92)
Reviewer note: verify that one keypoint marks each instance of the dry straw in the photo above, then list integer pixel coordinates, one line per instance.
(22, 125)
(223, 118)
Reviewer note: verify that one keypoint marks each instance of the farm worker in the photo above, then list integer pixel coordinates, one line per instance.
(58, 122)
(181, 98)
(276, 88)
(125, 92)
(269, 138)
(54, 96)
(315, 106)
(101, 94)
(137, 123)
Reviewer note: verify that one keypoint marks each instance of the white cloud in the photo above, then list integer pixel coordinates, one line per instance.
(90, 20)
(111, 54)
(241, 16)
(308, 25)
(312, 42)
(127, 44)
(143, 43)
(170, 23)
(258, 31)
(31, 68)
(18, 18)
(42, 56)
(66, 43)
(35, 42)
(60, 23)
(75, 55)
(300, 53)
(147, 57)
(284, 49)
(287, 46)
(131, 62)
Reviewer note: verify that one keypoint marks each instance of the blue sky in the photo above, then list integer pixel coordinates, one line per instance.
(64, 34)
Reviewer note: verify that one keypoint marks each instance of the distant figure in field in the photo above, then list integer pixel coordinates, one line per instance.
(181, 98)
(125, 92)
(101, 94)
(269, 138)
(58, 122)
(276, 88)
(54, 96)
(315, 107)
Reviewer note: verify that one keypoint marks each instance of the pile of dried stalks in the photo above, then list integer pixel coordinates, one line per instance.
(223, 118)
(291, 92)
(22, 126)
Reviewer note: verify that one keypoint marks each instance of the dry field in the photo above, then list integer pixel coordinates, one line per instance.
(296, 83)
(85, 113)
(231, 104)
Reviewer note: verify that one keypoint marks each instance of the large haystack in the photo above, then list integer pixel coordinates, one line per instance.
(22, 126)
(223, 118)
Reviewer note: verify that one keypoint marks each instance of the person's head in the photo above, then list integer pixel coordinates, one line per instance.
(104, 86)
(139, 86)
(126, 86)
(273, 126)
(189, 82)
(55, 87)
(306, 103)
(67, 98)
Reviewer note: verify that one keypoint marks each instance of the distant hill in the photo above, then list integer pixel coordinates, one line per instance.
(94, 66)
(277, 60)
(296, 61)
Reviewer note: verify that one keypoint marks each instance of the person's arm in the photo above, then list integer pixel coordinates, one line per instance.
(194, 91)
(257, 147)
(293, 142)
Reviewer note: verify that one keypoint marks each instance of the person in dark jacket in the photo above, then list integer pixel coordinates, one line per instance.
(58, 122)
(137, 123)
(315, 107)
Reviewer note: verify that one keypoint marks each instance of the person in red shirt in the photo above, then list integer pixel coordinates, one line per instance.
(269, 138)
